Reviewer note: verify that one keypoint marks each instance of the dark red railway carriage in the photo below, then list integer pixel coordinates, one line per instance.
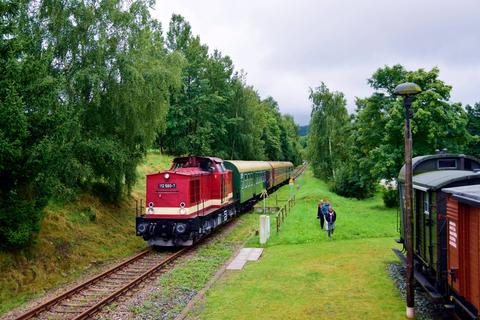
(463, 249)
(187, 201)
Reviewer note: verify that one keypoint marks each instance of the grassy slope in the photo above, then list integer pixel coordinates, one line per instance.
(69, 244)
(303, 275)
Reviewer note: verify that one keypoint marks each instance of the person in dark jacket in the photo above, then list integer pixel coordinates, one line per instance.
(330, 218)
(325, 206)
(320, 214)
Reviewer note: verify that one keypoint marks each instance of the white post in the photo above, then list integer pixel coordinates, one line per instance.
(268, 227)
(264, 226)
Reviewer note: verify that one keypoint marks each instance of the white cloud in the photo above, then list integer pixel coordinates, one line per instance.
(288, 46)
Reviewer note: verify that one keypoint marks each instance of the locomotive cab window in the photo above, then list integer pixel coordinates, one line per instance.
(207, 166)
(447, 164)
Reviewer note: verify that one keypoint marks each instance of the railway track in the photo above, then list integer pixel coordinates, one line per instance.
(299, 170)
(88, 298)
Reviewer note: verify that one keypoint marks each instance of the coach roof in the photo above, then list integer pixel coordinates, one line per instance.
(437, 179)
(249, 166)
(468, 194)
(280, 164)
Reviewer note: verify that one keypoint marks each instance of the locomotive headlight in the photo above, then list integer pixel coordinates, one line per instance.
(181, 227)
(183, 211)
(141, 228)
(150, 208)
(167, 176)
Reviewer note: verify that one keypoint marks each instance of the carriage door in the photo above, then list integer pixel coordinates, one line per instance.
(419, 222)
(453, 252)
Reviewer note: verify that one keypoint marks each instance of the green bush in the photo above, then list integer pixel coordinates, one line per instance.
(19, 221)
(390, 197)
(349, 183)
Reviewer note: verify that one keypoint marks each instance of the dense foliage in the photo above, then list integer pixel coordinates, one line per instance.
(473, 127)
(86, 89)
(215, 112)
(33, 125)
(374, 142)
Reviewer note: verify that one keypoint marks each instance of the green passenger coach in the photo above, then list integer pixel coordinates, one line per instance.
(250, 178)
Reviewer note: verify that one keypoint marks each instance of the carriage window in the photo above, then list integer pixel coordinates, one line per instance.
(426, 204)
(447, 164)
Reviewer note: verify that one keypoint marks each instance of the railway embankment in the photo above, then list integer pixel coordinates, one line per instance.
(77, 240)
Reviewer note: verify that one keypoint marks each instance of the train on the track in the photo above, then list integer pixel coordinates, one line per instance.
(198, 194)
(446, 217)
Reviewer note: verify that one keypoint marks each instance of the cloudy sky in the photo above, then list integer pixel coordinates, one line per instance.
(286, 47)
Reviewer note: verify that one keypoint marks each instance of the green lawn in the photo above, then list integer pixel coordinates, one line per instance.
(356, 219)
(303, 275)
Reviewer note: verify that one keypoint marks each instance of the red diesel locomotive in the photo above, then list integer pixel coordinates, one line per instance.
(196, 195)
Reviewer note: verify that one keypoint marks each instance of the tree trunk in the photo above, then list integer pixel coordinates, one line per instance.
(331, 156)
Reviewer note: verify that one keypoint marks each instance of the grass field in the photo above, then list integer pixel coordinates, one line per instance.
(75, 238)
(304, 275)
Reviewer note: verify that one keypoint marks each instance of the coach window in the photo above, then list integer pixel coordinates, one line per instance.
(447, 164)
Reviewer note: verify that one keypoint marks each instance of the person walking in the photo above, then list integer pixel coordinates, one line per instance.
(325, 207)
(330, 218)
(320, 214)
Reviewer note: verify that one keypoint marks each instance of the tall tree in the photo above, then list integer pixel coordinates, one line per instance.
(328, 125)
(84, 90)
(34, 127)
(437, 123)
(271, 133)
(246, 123)
(473, 127)
(119, 78)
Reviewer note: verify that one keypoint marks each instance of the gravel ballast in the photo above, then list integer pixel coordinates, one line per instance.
(424, 309)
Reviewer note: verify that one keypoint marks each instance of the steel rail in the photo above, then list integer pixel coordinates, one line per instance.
(95, 308)
(299, 171)
(47, 305)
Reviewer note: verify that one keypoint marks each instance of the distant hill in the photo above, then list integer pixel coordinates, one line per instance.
(303, 131)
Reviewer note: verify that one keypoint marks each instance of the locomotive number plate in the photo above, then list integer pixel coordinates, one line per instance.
(167, 185)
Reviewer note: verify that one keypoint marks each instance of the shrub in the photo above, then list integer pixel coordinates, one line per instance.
(19, 221)
(390, 197)
(349, 183)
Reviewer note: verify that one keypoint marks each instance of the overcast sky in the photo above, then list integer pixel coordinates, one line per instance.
(286, 47)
